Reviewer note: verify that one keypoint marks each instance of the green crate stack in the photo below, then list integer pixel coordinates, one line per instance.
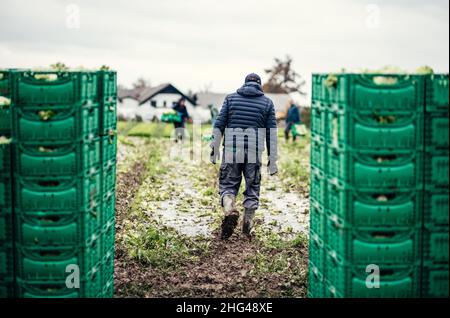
(6, 246)
(435, 272)
(108, 132)
(58, 122)
(369, 193)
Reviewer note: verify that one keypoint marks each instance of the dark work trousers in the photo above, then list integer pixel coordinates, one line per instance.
(231, 177)
(179, 131)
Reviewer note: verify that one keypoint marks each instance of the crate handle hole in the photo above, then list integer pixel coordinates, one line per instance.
(49, 183)
(385, 80)
(383, 235)
(50, 253)
(47, 77)
(384, 197)
(386, 158)
(47, 149)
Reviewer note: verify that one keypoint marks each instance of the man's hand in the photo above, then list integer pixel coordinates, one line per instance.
(214, 156)
(272, 168)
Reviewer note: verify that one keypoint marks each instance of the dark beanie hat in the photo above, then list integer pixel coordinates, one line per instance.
(253, 78)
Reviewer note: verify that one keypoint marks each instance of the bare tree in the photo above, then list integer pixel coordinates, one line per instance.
(142, 82)
(206, 88)
(283, 79)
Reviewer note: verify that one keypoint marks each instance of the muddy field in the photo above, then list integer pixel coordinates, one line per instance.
(168, 220)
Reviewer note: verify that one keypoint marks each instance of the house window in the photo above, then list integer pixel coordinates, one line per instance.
(153, 103)
(165, 104)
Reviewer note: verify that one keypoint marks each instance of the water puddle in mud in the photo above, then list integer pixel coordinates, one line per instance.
(285, 213)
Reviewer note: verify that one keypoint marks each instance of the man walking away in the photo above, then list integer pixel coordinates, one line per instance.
(248, 124)
(293, 118)
(180, 108)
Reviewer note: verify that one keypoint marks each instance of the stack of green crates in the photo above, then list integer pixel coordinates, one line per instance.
(63, 155)
(366, 184)
(6, 240)
(435, 274)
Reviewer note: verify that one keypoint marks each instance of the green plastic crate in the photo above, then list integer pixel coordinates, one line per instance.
(437, 92)
(52, 160)
(171, 118)
(436, 208)
(436, 131)
(383, 245)
(317, 217)
(318, 185)
(108, 206)
(5, 193)
(108, 86)
(108, 176)
(347, 281)
(371, 92)
(387, 208)
(435, 281)
(374, 170)
(108, 122)
(57, 229)
(6, 227)
(50, 263)
(109, 148)
(6, 289)
(316, 250)
(316, 282)
(63, 195)
(107, 268)
(90, 287)
(318, 152)
(108, 289)
(108, 236)
(323, 91)
(435, 245)
(54, 88)
(5, 159)
(5, 121)
(436, 169)
(6, 261)
(5, 83)
(318, 119)
(61, 125)
(374, 131)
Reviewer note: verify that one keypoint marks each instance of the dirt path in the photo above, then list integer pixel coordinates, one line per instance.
(168, 237)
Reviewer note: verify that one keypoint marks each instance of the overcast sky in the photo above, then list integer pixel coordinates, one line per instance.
(192, 43)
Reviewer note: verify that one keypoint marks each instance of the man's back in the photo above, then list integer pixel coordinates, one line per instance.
(247, 108)
(245, 111)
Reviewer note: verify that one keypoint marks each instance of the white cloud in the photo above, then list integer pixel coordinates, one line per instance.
(194, 42)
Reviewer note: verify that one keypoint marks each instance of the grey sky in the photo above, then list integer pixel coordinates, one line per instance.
(194, 42)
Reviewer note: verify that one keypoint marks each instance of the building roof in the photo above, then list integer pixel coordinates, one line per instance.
(142, 95)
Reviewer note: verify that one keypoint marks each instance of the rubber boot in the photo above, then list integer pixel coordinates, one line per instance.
(247, 224)
(230, 221)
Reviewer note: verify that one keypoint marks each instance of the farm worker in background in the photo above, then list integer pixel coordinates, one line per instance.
(214, 113)
(293, 118)
(180, 108)
(247, 124)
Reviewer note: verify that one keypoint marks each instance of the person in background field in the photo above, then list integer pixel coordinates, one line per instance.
(293, 118)
(180, 108)
(214, 113)
(246, 120)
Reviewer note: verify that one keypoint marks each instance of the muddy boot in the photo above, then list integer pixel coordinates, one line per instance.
(231, 216)
(248, 221)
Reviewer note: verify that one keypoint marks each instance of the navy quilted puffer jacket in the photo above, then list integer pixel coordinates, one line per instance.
(248, 109)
